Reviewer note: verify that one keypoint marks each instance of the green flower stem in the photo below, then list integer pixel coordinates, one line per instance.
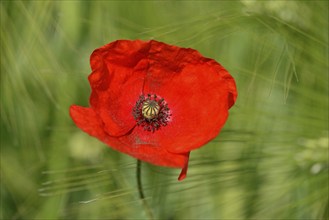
(140, 190)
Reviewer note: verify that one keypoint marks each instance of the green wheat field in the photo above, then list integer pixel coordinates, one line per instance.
(269, 162)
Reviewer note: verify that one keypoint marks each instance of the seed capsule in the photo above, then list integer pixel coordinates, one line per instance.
(150, 109)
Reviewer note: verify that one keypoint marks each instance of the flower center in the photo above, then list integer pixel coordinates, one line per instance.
(150, 109)
(151, 112)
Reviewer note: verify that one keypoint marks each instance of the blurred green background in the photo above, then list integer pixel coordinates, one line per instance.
(270, 160)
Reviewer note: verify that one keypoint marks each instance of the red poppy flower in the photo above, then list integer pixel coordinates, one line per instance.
(155, 102)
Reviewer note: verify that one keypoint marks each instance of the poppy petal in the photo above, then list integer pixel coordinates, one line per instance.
(88, 121)
(201, 92)
(116, 81)
(183, 173)
(143, 148)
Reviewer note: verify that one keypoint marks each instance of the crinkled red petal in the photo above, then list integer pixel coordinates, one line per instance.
(183, 173)
(117, 81)
(90, 122)
(198, 91)
(87, 120)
